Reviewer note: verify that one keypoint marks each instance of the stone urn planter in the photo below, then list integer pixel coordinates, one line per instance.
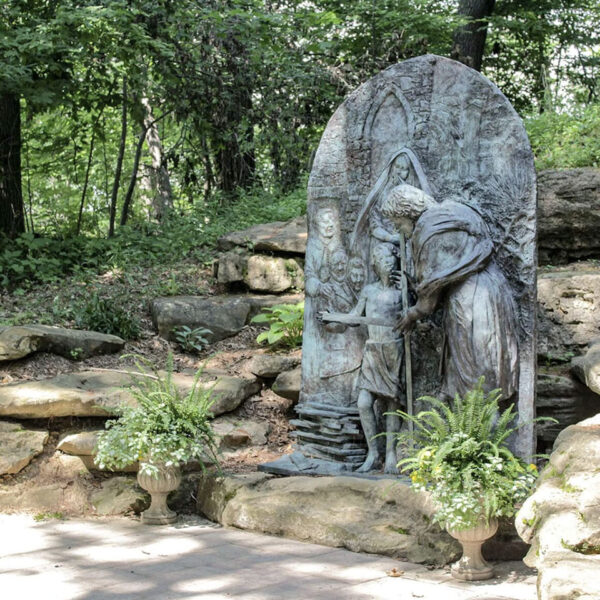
(472, 566)
(159, 487)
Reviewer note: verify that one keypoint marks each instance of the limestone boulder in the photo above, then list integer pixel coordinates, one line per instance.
(233, 433)
(224, 315)
(82, 443)
(273, 274)
(18, 446)
(568, 215)
(229, 392)
(568, 311)
(259, 272)
(270, 366)
(98, 393)
(231, 267)
(381, 517)
(562, 397)
(587, 367)
(119, 495)
(561, 520)
(287, 384)
(18, 342)
(280, 236)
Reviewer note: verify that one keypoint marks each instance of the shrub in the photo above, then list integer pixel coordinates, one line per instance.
(107, 315)
(191, 340)
(285, 325)
(562, 140)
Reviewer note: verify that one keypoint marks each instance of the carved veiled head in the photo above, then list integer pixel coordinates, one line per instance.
(399, 170)
(404, 204)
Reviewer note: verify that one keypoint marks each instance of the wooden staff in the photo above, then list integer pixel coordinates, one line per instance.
(407, 352)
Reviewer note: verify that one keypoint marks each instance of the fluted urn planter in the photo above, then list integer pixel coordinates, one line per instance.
(472, 566)
(159, 487)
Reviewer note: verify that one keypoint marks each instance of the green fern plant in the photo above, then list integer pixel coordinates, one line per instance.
(166, 426)
(459, 453)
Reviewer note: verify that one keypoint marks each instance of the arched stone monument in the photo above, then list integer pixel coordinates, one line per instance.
(432, 124)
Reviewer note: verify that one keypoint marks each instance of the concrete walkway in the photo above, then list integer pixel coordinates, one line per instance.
(117, 559)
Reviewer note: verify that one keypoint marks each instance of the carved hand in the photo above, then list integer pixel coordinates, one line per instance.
(407, 322)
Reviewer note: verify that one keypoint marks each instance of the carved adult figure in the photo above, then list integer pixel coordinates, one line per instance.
(318, 260)
(454, 265)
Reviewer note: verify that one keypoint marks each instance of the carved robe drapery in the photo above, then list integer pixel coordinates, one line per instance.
(454, 256)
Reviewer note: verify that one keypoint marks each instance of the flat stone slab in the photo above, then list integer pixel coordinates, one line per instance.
(97, 393)
(280, 236)
(224, 315)
(20, 341)
(383, 517)
(18, 446)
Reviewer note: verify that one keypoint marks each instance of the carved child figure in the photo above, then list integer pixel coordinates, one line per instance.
(382, 359)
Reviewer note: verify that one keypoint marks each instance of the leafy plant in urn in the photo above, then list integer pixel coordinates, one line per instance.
(165, 429)
(458, 453)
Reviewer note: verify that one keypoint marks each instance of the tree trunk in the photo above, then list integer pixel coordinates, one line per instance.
(12, 214)
(469, 39)
(161, 200)
(133, 178)
(86, 182)
(119, 167)
(236, 162)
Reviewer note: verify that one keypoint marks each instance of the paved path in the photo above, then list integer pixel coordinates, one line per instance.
(118, 559)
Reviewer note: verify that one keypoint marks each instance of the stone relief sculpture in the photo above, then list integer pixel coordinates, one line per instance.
(427, 163)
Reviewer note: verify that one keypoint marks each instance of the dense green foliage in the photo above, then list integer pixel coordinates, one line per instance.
(166, 426)
(30, 259)
(286, 322)
(459, 453)
(561, 140)
(166, 122)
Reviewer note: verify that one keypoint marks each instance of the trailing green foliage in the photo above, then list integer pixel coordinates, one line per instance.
(107, 315)
(285, 325)
(165, 427)
(562, 140)
(459, 453)
(192, 340)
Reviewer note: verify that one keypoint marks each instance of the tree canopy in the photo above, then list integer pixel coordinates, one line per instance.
(122, 111)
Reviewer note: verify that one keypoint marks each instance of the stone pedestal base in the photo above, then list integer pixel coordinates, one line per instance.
(472, 566)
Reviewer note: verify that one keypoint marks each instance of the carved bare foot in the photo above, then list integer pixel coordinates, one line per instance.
(390, 464)
(371, 462)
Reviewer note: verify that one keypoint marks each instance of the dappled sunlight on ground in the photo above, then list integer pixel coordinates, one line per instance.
(103, 559)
